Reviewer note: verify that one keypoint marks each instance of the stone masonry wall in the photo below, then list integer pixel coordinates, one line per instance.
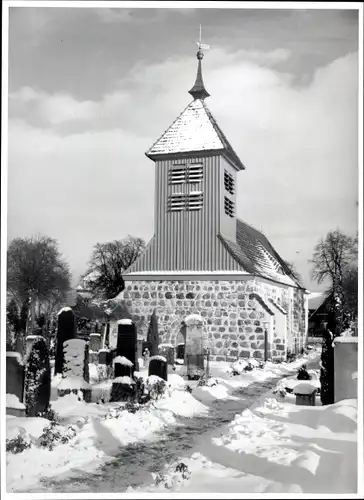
(233, 319)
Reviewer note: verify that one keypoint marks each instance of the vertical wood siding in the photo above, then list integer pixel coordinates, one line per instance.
(187, 240)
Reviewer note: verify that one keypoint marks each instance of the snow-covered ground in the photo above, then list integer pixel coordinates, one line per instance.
(100, 432)
(276, 447)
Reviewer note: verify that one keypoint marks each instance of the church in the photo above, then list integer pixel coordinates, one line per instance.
(202, 259)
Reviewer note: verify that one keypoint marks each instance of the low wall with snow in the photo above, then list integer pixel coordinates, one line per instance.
(346, 368)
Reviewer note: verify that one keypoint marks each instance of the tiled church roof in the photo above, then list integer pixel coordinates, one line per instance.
(194, 130)
(256, 255)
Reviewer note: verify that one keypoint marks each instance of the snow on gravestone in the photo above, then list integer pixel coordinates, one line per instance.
(123, 384)
(127, 341)
(75, 372)
(305, 393)
(66, 330)
(194, 354)
(158, 366)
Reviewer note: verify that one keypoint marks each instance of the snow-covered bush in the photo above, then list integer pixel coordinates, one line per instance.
(207, 382)
(37, 379)
(18, 444)
(303, 374)
(49, 414)
(155, 387)
(243, 365)
(52, 435)
(188, 388)
(178, 476)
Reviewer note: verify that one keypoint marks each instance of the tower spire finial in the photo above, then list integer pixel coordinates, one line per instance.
(198, 91)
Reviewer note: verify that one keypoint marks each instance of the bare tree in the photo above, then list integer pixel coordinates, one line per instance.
(108, 263)
(36, 273)
(335, 260)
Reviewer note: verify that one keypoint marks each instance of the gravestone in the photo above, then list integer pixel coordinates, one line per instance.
(127, 341)
(75, 372)
(194, 352)
(66, 330)
(95, 342)
(15, 375)
(94, 347)
(167, 350)
(37, 385)
(158, 366)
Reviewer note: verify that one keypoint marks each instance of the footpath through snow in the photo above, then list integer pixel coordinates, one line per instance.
(114, 449)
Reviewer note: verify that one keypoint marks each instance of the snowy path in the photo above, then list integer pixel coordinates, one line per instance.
(134, 463)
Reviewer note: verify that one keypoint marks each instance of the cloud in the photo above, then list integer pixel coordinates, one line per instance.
(81, 176)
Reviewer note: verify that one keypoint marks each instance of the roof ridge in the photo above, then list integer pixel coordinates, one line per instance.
(222, 136)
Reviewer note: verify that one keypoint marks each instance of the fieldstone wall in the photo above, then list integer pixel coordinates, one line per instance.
(234, 318)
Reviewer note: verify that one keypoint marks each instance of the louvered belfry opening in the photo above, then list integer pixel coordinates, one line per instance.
(229, 182)
(184, 176)
(229, 207)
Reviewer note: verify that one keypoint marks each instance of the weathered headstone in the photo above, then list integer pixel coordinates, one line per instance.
(37, 379)
(95, 342)
(105, 360)
(66, 330)
(158, 366)
(194, 353)
(75, 372)
(94, 347)
(15, 375)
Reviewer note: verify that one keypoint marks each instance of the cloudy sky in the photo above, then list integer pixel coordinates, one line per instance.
(91, 89)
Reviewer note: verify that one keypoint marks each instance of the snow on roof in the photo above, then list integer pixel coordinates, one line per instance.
(122, 360)
(124, 321)
(316, 299)
(195, 129)
(191, 131)
(256, 255)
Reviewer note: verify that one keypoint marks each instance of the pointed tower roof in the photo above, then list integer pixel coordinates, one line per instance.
(195, 129)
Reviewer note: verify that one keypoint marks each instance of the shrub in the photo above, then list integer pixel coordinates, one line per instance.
(207, 382)
(49, 414)
(183, 469)
(132, 406)
(18, 444)
(37, 379)
(303, 374)
(188, 388)
(52, 435)
(156, 389)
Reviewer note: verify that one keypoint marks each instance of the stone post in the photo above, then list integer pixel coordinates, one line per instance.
(194, 354)
(346, 368)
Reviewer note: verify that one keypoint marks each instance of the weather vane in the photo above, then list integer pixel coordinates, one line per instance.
(202, 46)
